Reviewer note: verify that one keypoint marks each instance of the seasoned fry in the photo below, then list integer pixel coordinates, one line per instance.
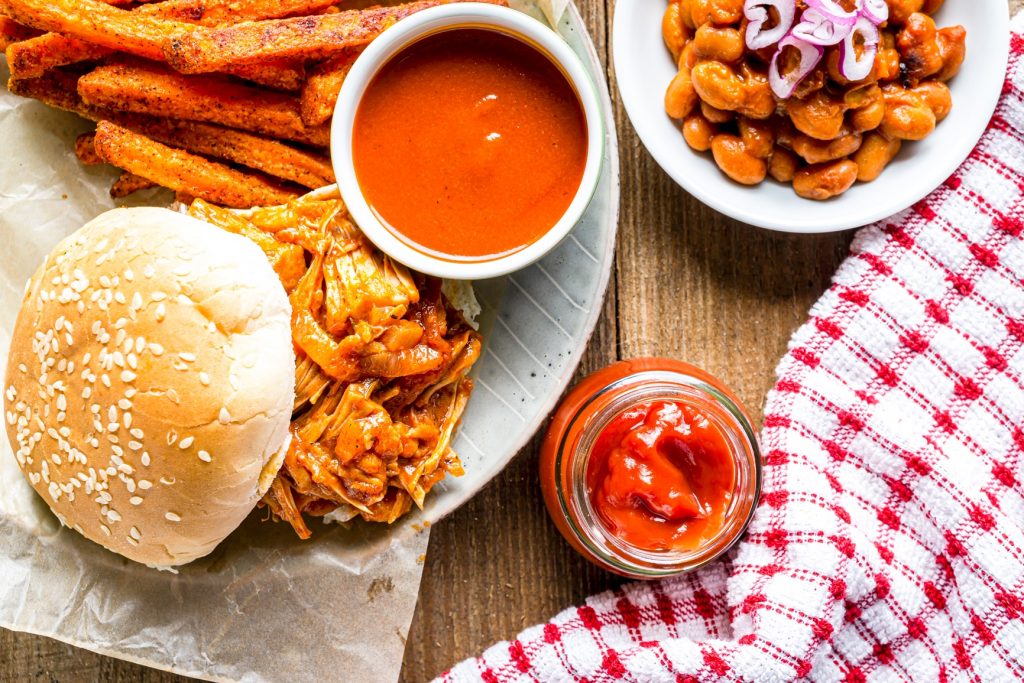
(184, 172)
(225, 12)
(320, 93)
(11, 32)
(34, 57)
(129, 183)
(98, 23)
(317, 37)
(153, 89)
(57, 89)
(85, 149)
(270, 156)
(280, 74)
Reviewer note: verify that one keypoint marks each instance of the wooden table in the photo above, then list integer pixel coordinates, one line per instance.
(688, 283)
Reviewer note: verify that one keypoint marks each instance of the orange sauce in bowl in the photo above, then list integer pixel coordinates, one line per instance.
(469, 144)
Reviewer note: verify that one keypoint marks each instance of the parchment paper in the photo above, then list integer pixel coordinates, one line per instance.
(264, 606)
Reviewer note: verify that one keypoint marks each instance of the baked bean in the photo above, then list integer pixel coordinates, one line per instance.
(747, 92)
(698, 132)
(736, 162)
(918, 44)
(720, 12)
(686, 13)
(900, 10)
(814, 82)
(861, 95)
(819, 151)
(758, 137)
(681, 97)
(817, 115)
(907, 117)
(867, 107)
(759, 100)
(953, 48)
(887, 61)
(673, 31)
(869, 117)
(824, 181)
(688, 58)
(715, 115)
(931, 6)
(936, 97)
(783, 165)
(874, 155)
(721, 44)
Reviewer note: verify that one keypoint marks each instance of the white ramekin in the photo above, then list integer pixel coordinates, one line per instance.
(394, 40)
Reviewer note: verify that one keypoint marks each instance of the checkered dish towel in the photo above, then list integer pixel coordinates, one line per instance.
(889, 544)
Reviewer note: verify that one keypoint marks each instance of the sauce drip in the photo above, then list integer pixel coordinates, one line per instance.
(661, 477)
(469, 144)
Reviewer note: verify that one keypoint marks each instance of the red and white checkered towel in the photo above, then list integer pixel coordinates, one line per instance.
(889, 544)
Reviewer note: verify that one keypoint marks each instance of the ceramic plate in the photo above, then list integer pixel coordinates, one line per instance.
(644, 68)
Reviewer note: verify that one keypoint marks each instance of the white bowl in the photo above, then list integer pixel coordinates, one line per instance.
(394, 40)
(643, 69)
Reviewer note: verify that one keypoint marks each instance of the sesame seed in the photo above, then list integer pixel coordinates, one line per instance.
(204, 378)
(132, 541)
(62, 403)
(204, 456)
(105, 378)
(126, 420)
(128, 376)
(172, 436)
(161, 312)
(145, 459)
(171, 517)
(134, 445)
(187, 357)
(135, 500)
(168, 481)
(145, 484)
(158, 296)
(224, 416)
(156, 349)
(137, 433)
(186, 442)
(124, 404)
(129, 392)
(105, 528)
(113, 516)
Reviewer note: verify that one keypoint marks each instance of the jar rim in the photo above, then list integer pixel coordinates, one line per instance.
(645, 386)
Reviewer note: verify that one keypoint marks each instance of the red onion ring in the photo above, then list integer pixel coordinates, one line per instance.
(852, 67)
(834, 10)
(810, 56)
(875, 10)
(819, 28)
(756, 12)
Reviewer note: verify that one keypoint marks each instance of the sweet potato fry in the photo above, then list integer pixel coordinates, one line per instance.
(314, 37)
(129, 183)
(245, 149)
(56, 89)
(156, 90)
(85, 149)
(96, 22)
(226, 12)
(320, 92)
(184, 172)
(12, 32)
(34, 57)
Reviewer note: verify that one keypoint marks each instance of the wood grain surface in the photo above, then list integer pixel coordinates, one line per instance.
(689, 283)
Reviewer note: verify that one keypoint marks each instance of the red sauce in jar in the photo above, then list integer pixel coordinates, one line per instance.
(650, 467)
(470, 144)
(661, 476)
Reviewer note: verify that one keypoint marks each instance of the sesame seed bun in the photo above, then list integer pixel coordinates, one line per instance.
(150, 383)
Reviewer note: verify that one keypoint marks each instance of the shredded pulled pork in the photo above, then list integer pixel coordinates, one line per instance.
(381, 372)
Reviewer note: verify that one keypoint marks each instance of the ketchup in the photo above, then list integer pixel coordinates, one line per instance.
(661, 476)
(650, 468)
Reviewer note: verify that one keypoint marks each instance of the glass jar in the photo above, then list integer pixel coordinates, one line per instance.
(591, 407)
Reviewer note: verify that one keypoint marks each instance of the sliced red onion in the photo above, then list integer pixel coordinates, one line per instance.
(875, 10)
(810, 55)
(756, 12)
(834, 10)
(852, 67)
(817, 27)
